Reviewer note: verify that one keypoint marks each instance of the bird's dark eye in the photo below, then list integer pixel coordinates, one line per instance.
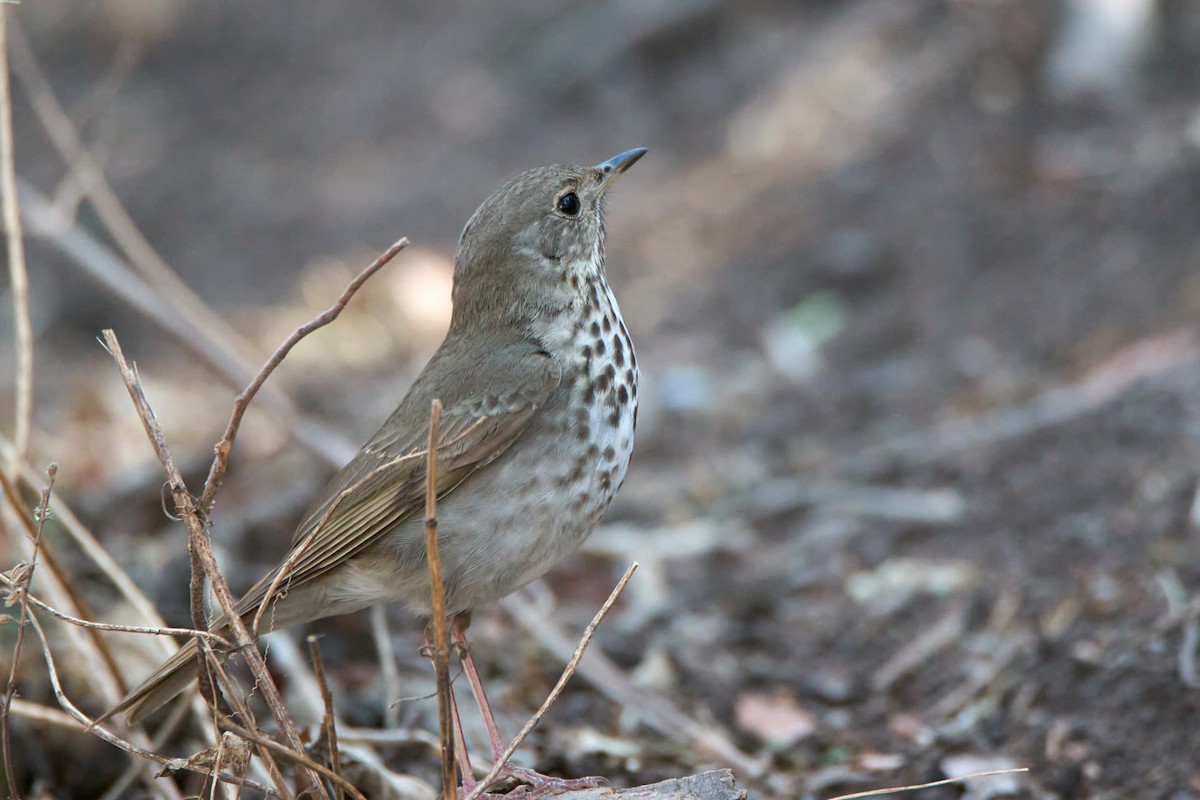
(569, 204)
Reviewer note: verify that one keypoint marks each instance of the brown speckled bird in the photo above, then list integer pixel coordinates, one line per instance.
(539, 384)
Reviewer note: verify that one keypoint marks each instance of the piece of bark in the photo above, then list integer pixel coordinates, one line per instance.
(716, 785)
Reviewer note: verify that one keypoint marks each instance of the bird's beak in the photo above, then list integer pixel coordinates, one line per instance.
(611, 170)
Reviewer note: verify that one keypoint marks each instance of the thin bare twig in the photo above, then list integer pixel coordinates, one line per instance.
(61, 581)
(20, 591)
(299, 758)
(441, 641)
(653, 709)
(388, 670)
(108, 269)
(217, 473)
(159, 288)
(286, 657)
(162, 735)
(87, 542)
(89, 725)
(219, 641)
(329, 722)
(915, 787)
(46, 715)
(196, 577)
(194, 520)
(18, 276)
(63, 135)
(567, 672)
(218, 675)
(90, 646)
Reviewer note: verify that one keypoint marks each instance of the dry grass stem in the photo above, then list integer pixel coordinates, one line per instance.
(46, 715)
(64, 136)
(567, 672)
(441, 640)
(87, 542)
(306, 691)
(386, 737)
(215, 673)
(196, 579)
(200, 545)
(301, 759)
(18, 276)
(919, 786)
(219, 641)
(947, 630)
(387, 665)
(96, 260)
(88, 646)
(650, 707)
(87, 724)
(58, 582)
(164, 733)
(20, 592)
(194, 512)
(1186, 659)
(328, 722)
(216, 474)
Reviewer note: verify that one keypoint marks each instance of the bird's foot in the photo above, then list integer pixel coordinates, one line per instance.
(532, 784)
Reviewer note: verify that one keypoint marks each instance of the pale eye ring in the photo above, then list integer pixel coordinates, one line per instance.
(569, 204)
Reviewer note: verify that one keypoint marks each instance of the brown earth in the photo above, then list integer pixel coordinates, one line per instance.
(915, 489)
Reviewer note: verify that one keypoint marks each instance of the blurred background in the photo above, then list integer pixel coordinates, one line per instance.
(914, 284)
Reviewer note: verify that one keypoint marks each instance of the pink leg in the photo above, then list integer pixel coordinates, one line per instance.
(458, 636)
(460, 748)
(537, 783)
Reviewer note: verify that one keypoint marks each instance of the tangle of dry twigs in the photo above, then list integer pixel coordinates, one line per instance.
(19, 592)
(194, 512)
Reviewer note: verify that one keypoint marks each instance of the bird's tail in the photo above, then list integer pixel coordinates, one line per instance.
(170, 679)
(178, 672)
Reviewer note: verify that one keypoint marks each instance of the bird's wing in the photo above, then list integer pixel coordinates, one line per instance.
(385, 483)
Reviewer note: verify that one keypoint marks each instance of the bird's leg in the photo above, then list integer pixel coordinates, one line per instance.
(538, 783)
(460, 747)
(458, 637)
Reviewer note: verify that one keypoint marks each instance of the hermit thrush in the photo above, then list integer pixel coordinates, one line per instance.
(539, 384)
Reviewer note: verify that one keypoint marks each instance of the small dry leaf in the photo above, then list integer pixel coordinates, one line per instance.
(231, 755)
(17, 576)
(774, 717)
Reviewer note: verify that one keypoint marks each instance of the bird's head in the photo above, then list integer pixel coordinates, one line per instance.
(535, 244)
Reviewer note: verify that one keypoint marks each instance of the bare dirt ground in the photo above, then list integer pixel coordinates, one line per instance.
(915, 488)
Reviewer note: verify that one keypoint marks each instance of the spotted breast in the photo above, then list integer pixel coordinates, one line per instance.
(603, 402)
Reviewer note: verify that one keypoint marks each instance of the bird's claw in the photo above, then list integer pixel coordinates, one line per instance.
(532, 784)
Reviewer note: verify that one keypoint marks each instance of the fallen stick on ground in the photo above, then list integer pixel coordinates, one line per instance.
(715, 785)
